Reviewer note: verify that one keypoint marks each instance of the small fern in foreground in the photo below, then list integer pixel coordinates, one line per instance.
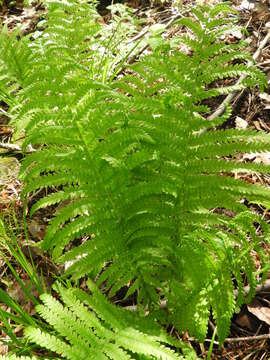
(146, 179)
(88, 327)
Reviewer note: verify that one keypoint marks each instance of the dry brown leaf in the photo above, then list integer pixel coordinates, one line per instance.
(3, 349)
(264, 125)
(257, 125)
(260, 311)
(244, 321)
(261, 11)
(261, 125)
(36, 229)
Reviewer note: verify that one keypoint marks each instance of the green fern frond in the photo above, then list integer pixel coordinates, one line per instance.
(89, 327)
(147, 177)
(13, 66)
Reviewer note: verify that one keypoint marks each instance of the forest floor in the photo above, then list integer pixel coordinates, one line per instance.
(250, 329)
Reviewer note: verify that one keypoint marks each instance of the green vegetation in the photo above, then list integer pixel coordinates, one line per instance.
(104, 332)
(144, 177)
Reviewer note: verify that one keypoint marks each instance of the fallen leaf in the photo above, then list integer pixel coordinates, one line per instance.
(3, 349)
(247, 5)
(237, 34)
(263, 124)
(257, 125)
(240, 123)
(265, 96)
(245, 321)
(258, 158)
(36, 229)
(9, 168)
(260, 311)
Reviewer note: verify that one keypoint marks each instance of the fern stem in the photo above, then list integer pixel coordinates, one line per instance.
(212, 344)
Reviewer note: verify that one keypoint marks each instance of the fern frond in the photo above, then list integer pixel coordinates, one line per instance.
(144, 171)
(48, 341)
(89, 327)
(13, 67)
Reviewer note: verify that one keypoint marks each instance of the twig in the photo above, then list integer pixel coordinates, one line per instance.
(222, 107)
(10, 147)
(138, 36)
(237, 339)
(131, 59)
(16, 148)
(144, 32)
(248, 338)
(259, 289)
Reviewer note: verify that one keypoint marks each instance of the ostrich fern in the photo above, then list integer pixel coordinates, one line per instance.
(91, 328)
(86, 326)
(74, 34)
(13, 67)
(142, 170)
(79, 324)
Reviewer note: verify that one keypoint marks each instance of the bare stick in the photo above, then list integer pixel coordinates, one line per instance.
(259, 289)
(237, 339)
(16, 148)
(229, 98)
(248, 338)
(167, 25)
(10, 147)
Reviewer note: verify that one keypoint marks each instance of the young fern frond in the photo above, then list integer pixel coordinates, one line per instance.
(89, 327)
(92, 51)
(143, 171)
(13, 67)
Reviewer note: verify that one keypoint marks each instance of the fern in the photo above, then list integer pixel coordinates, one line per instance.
(142, 170)
(91, 51)
(89, 327)
(81, 326)
(13, 67)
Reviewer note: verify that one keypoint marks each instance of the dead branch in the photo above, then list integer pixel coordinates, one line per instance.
(16, 148)
(259, 289)
(10, 147)
(237, 339)
(248, 338)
